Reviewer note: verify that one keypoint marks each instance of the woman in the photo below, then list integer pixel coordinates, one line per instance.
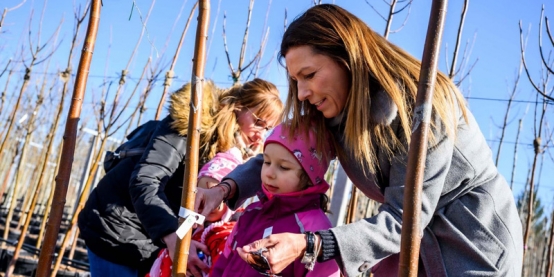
(133, 210)
(362, 88)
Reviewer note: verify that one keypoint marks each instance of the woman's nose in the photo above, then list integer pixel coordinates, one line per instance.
(303, 91)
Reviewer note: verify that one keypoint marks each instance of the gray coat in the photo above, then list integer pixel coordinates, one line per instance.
(471, 225)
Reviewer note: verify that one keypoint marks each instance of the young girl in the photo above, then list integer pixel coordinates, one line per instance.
(292, 200)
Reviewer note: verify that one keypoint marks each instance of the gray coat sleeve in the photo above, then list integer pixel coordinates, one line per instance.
(248, 178)
(364, 243)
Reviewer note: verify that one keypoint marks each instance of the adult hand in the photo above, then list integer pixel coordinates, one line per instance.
(171, 242)
(283, 249)
(195, 266)
(208, 200)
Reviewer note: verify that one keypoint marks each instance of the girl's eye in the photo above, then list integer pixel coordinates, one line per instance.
(284, 168)
(266, 162)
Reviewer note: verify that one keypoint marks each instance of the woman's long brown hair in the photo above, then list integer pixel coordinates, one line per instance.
(375, 66)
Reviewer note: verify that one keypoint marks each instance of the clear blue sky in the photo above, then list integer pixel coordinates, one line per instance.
(491, 31)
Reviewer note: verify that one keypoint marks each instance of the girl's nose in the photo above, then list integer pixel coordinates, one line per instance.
(269, 173)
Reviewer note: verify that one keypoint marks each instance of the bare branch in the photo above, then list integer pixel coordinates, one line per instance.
(522, 47)
(169, 74)
(467, 73)
(507, 114)
(376, 11)
(408, 5)
(6, 68)
(389, 19)
(170, 34)
(545, 63)
(213, 29)
(458, 38)
(225, 43)
(141, 32)
(548, 31)
(245, 37)
(6, 10)
(285, 21)
(405, 19)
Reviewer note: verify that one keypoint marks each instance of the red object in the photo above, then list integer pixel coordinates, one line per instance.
(214, 237)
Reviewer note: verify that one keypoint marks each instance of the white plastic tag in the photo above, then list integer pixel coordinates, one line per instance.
(184, 213)
(190, 219)
(186, 226)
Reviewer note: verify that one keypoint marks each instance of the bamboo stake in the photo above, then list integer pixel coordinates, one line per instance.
(48, 204)
(74, 244)
(109, 127)
(11, 119)
(193, 135)
(19, 171)
(353, 207)
(30, 191)
(42, 175)
(411, 234)
(8, 176)
(82, 199)
(169, 74)
(3, 99)
(62, 181)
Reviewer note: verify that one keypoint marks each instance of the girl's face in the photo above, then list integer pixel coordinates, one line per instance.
(320, 80)
(253, 128)
(280, 171)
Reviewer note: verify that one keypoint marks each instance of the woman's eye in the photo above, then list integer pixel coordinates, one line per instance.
(309, 76)
(266, 162)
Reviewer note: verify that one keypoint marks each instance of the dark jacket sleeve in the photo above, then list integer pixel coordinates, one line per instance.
(248, 179)
(159, 162)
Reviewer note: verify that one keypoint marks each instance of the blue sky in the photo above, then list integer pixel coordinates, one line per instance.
(491, 32)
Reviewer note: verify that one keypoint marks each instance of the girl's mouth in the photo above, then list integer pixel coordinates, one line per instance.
(271, 188)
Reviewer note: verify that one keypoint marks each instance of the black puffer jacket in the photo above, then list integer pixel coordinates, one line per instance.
(136, 203)
(128, 234)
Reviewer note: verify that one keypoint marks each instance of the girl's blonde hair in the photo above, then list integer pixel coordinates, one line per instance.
(219, 106)
(375, 66)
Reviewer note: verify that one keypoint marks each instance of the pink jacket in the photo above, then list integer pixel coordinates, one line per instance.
(294, 212)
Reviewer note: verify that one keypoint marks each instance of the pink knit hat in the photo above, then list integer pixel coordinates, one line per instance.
(304, 149)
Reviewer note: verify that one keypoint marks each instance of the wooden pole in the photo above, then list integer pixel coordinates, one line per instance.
(69, 138)
(193, 135)
(411, 234)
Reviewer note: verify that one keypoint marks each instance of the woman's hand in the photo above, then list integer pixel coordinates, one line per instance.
(208, 200)
(195, 266)
(283, 249)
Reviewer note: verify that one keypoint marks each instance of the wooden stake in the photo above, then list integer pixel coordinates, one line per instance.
(193, 135)
(411, 235)
(68, 150)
